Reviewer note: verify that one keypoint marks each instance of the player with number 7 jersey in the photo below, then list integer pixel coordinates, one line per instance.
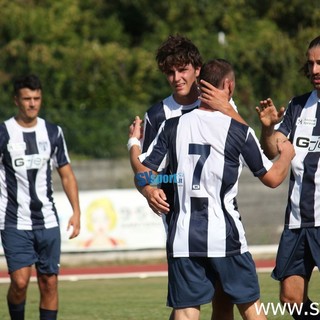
(209, 150)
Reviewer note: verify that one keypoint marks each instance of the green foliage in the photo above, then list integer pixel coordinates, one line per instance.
(96, 58)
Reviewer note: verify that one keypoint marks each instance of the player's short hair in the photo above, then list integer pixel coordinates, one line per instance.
(177, 51)
(214, 71)
(31, 82)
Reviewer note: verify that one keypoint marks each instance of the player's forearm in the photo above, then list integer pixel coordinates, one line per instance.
(280, 168)
(268, 142)
(70, 187)
(136, 165)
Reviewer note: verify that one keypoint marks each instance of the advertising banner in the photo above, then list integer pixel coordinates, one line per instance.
(111, 220)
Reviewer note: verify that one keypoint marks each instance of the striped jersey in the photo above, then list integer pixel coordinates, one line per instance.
(26, 159)
(300, 124)
(154, 117)
(161, 111)
(205, 153)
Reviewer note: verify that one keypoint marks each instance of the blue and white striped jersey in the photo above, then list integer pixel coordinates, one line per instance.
(153, 118)
(27, 156)
(205, 152)
(166, 109)
(159, 112)
(301, 125)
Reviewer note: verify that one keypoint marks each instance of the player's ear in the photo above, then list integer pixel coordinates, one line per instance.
(232, 86)
(197, 71)
(229, 85)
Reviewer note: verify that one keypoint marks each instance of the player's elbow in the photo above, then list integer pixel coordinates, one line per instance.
(271, 181)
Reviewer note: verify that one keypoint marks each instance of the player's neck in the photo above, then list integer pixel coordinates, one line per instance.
(26, 123)
(205, 107)
(186, 100)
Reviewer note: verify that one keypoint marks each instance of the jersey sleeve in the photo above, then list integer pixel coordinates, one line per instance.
(292, 114)
(156, 157)
(285, 126)
(153, 119)
(253, 155)
(60, 154)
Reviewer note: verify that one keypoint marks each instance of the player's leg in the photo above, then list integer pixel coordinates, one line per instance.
(17, 292)
(239, 280)
(48, 244)
(293, 289)
(190, 285)
(19, 281)
(251, 311)
(19, 252)
(222, 307)
(187, 313)
(48, 286)
(293, 292)
(297, 253)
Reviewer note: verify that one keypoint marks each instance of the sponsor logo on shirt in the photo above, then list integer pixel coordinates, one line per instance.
(20, 146)
(28, 162)
(312, 144)
(306, 122)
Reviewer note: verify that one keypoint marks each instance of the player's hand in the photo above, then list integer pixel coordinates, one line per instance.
(215, 98)
(268, 113)
(136, 128)
(156, 199)
(285, 147)
(74, 226)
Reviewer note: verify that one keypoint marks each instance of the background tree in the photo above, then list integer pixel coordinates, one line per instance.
(96, 58)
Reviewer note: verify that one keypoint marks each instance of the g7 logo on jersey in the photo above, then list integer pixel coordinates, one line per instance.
(312, 143)
(28, 162)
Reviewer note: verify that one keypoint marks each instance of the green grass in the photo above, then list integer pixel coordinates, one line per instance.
(129, 299)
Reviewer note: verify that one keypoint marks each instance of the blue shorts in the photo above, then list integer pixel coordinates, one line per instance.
(192, 280)
(298, 253)
(23, 248)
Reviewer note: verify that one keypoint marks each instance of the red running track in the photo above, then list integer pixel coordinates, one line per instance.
(133, 270)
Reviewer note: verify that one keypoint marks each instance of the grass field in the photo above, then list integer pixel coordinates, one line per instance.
(130, 299)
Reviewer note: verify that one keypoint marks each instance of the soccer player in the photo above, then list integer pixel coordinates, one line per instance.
(206, 241)
(30, 232)
(180, 61)
(299, 248)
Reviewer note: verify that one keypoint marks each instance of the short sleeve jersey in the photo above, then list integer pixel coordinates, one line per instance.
(301, 124)
(27, 157)
(206, 151)
(154, 117)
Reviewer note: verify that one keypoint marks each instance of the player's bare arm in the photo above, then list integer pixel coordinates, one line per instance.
(134, 146)
(279, 170)
(269, 116)
(70, 187)
(156, 197)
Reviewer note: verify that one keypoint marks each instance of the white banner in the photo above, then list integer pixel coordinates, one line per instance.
(111, 220)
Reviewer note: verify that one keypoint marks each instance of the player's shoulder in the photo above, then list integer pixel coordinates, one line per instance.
(155, 107)
(301, 99)
(53, 129)
(2, 126)
(48, 124)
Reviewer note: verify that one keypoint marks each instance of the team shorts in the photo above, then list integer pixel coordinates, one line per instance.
(298, 253)
(23, 248)
(192, 280)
